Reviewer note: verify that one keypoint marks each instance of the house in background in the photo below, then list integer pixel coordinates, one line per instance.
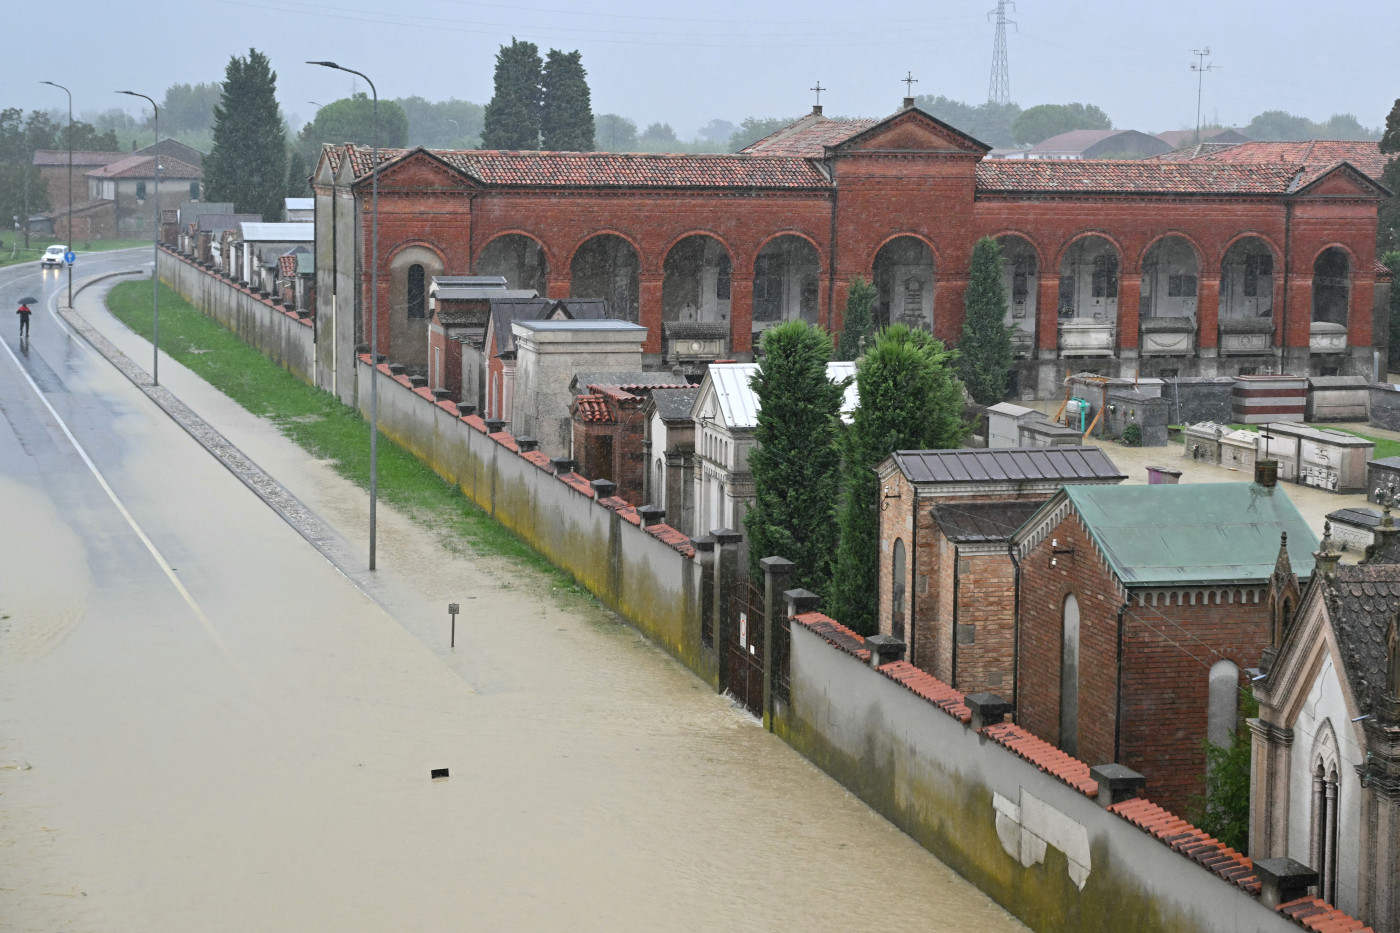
(1325, 777)
(1139, 609)
(1098, 144)
(130, 185)
(670, 449)
(299, 210)
(1180, 139)
(947, 579)
(257, 247)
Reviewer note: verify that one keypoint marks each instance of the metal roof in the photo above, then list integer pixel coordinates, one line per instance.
(277, 233)
(1204, 533)
(1007, 465)
(299, 204)
(738, 403)
(984, 522)
(674, 404)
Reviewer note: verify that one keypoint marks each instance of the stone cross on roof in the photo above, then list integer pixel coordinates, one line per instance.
(909, 82)
(819, 90)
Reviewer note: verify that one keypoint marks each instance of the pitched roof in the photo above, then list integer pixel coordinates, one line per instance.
(1178, 138)
(984, 522)
(1364, 154)
(277, 233)
(808, 137)
(217, 223)
(1073, 141)
(1196, 533)
(592, 409)
(59, 157)
(1135, 176)
(1007, 465)
(143, 166)
(627, 379)
(1361, 601)
(675, 404)
(738, 402)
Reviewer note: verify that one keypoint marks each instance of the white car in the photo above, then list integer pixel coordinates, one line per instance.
(53, 256)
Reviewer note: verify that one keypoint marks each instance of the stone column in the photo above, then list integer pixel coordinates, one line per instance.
(726, 575)
(649, 310)
(741, 315)
(777, 571)
(1380, 815)
(1268, 801)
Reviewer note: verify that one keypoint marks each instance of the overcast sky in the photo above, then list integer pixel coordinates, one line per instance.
(689, 63)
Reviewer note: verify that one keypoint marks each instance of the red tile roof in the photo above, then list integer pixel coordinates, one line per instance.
(59, 157)
(808, 140)
(1321, 917)
(592, 409)
(142, 166)
(1382, 270)
(834, 633)
(924, 684)
(1133, 176)
(287, 265)
(668, 535)
(1180, 835)
(1043, 755)
(1364, 154)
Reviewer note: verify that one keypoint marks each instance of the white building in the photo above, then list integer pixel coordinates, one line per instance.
(725, 415)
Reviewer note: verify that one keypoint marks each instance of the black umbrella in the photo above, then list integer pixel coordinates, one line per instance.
(29, 300)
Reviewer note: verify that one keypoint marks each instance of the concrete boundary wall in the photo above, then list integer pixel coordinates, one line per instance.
(281, 336)
(1013, 815)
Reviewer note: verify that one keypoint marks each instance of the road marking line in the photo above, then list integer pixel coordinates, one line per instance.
(130, 520)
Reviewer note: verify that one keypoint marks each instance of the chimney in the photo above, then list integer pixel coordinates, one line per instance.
(816, 110)
(908, 104)
(1266, 473)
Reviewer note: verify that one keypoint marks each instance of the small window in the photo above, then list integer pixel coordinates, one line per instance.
(417, 294)
(194, 191)
(1105, 276)
(140, 191)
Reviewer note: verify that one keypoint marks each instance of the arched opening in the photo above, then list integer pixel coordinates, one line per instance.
(517, 257)
(1247, 280)
(1069, 676)
(695, 289)
(1089, 281)
(897, 590)
(1020, 277)
(1223, 703)
(786, 277)
(905, 277)
(1331, 287)
(1170, 272)
(407, 339)
(606, 267)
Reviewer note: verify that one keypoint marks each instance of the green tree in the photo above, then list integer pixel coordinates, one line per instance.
(796, 461)
(910, 399)
(189, 107)
(985, 348)
(1388, 229)
(512, 118)
(566, 121)
(1223, 811)
(352, 120)
(717, 131)
(755, 128)
(1040, 123)
(658, 133)
(1279, 125)
(443, 124)
(298, 175)
(615, 133)
(857, 319)
(990, 122)
(248, 162)
(1392, 262)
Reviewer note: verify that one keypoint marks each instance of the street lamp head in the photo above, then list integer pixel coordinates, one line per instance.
(325, 64)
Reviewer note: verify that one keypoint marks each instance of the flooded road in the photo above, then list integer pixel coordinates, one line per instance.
(204, 725)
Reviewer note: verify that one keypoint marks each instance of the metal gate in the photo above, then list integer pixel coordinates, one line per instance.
(744, 653)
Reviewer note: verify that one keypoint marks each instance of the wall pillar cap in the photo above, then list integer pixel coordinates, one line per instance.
(603, 488)
(1282, 880)
(1117, 783)
(495, 425)
(562, 465)
(527, 444)
(800, 601)
(724, 536)
(702, 543)
(987, 709)
(650, 515)
(884, 649)
(779, 566)
(464, 409)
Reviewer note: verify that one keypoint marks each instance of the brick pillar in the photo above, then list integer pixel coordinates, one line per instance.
(1208, 311)
(1277, 308)
(1299, 310)
(740, 313)
(777, 571)
(558, 283)
(839, 294)
(649, 309)
(950, 307)
(1047, 315)
(1129, 300)
(1359, 313)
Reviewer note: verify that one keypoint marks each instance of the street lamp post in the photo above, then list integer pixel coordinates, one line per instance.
(373, 307)
(69, 233)
(155, 250)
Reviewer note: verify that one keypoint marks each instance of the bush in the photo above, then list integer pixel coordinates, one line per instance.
(1132, 435)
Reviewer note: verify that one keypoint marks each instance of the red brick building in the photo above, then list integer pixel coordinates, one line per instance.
(1133, 602)
(946, 517)
(610, 427)
(1098, 254)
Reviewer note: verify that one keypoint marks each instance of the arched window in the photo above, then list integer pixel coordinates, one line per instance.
(417, 292)
(1069, 677)
(1223, 707)
(897, 590)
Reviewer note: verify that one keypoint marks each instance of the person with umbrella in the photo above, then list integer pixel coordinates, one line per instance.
(24, 313)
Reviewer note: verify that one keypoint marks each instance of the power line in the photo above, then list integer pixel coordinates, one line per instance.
(999, 88)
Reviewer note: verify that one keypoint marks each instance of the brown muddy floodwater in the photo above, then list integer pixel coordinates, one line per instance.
(274, 775)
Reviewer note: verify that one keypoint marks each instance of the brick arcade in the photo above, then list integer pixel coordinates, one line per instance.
(1148, 267)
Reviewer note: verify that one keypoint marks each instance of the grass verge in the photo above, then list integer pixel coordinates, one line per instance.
(317, 422)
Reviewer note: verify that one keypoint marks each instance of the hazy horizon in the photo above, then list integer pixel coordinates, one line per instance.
(649, 64)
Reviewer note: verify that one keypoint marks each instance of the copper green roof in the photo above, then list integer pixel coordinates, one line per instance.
(1198, 533)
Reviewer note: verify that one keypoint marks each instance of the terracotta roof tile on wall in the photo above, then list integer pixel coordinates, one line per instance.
(593, 409)
(1134, 176)
(1321, 917)
(1180, 835)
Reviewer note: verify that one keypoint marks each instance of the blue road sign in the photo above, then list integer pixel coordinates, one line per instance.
(70, 257)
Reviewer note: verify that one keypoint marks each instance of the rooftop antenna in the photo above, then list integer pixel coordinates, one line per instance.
(817, 108)
(999, 88)
(1200, 67)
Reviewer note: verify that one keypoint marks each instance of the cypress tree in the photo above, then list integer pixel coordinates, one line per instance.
(797, 460)
(512, 118)
(857, 322)
(910, 399)
(566, 120)
(985, 348)
(297, 175)
(248, 162)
